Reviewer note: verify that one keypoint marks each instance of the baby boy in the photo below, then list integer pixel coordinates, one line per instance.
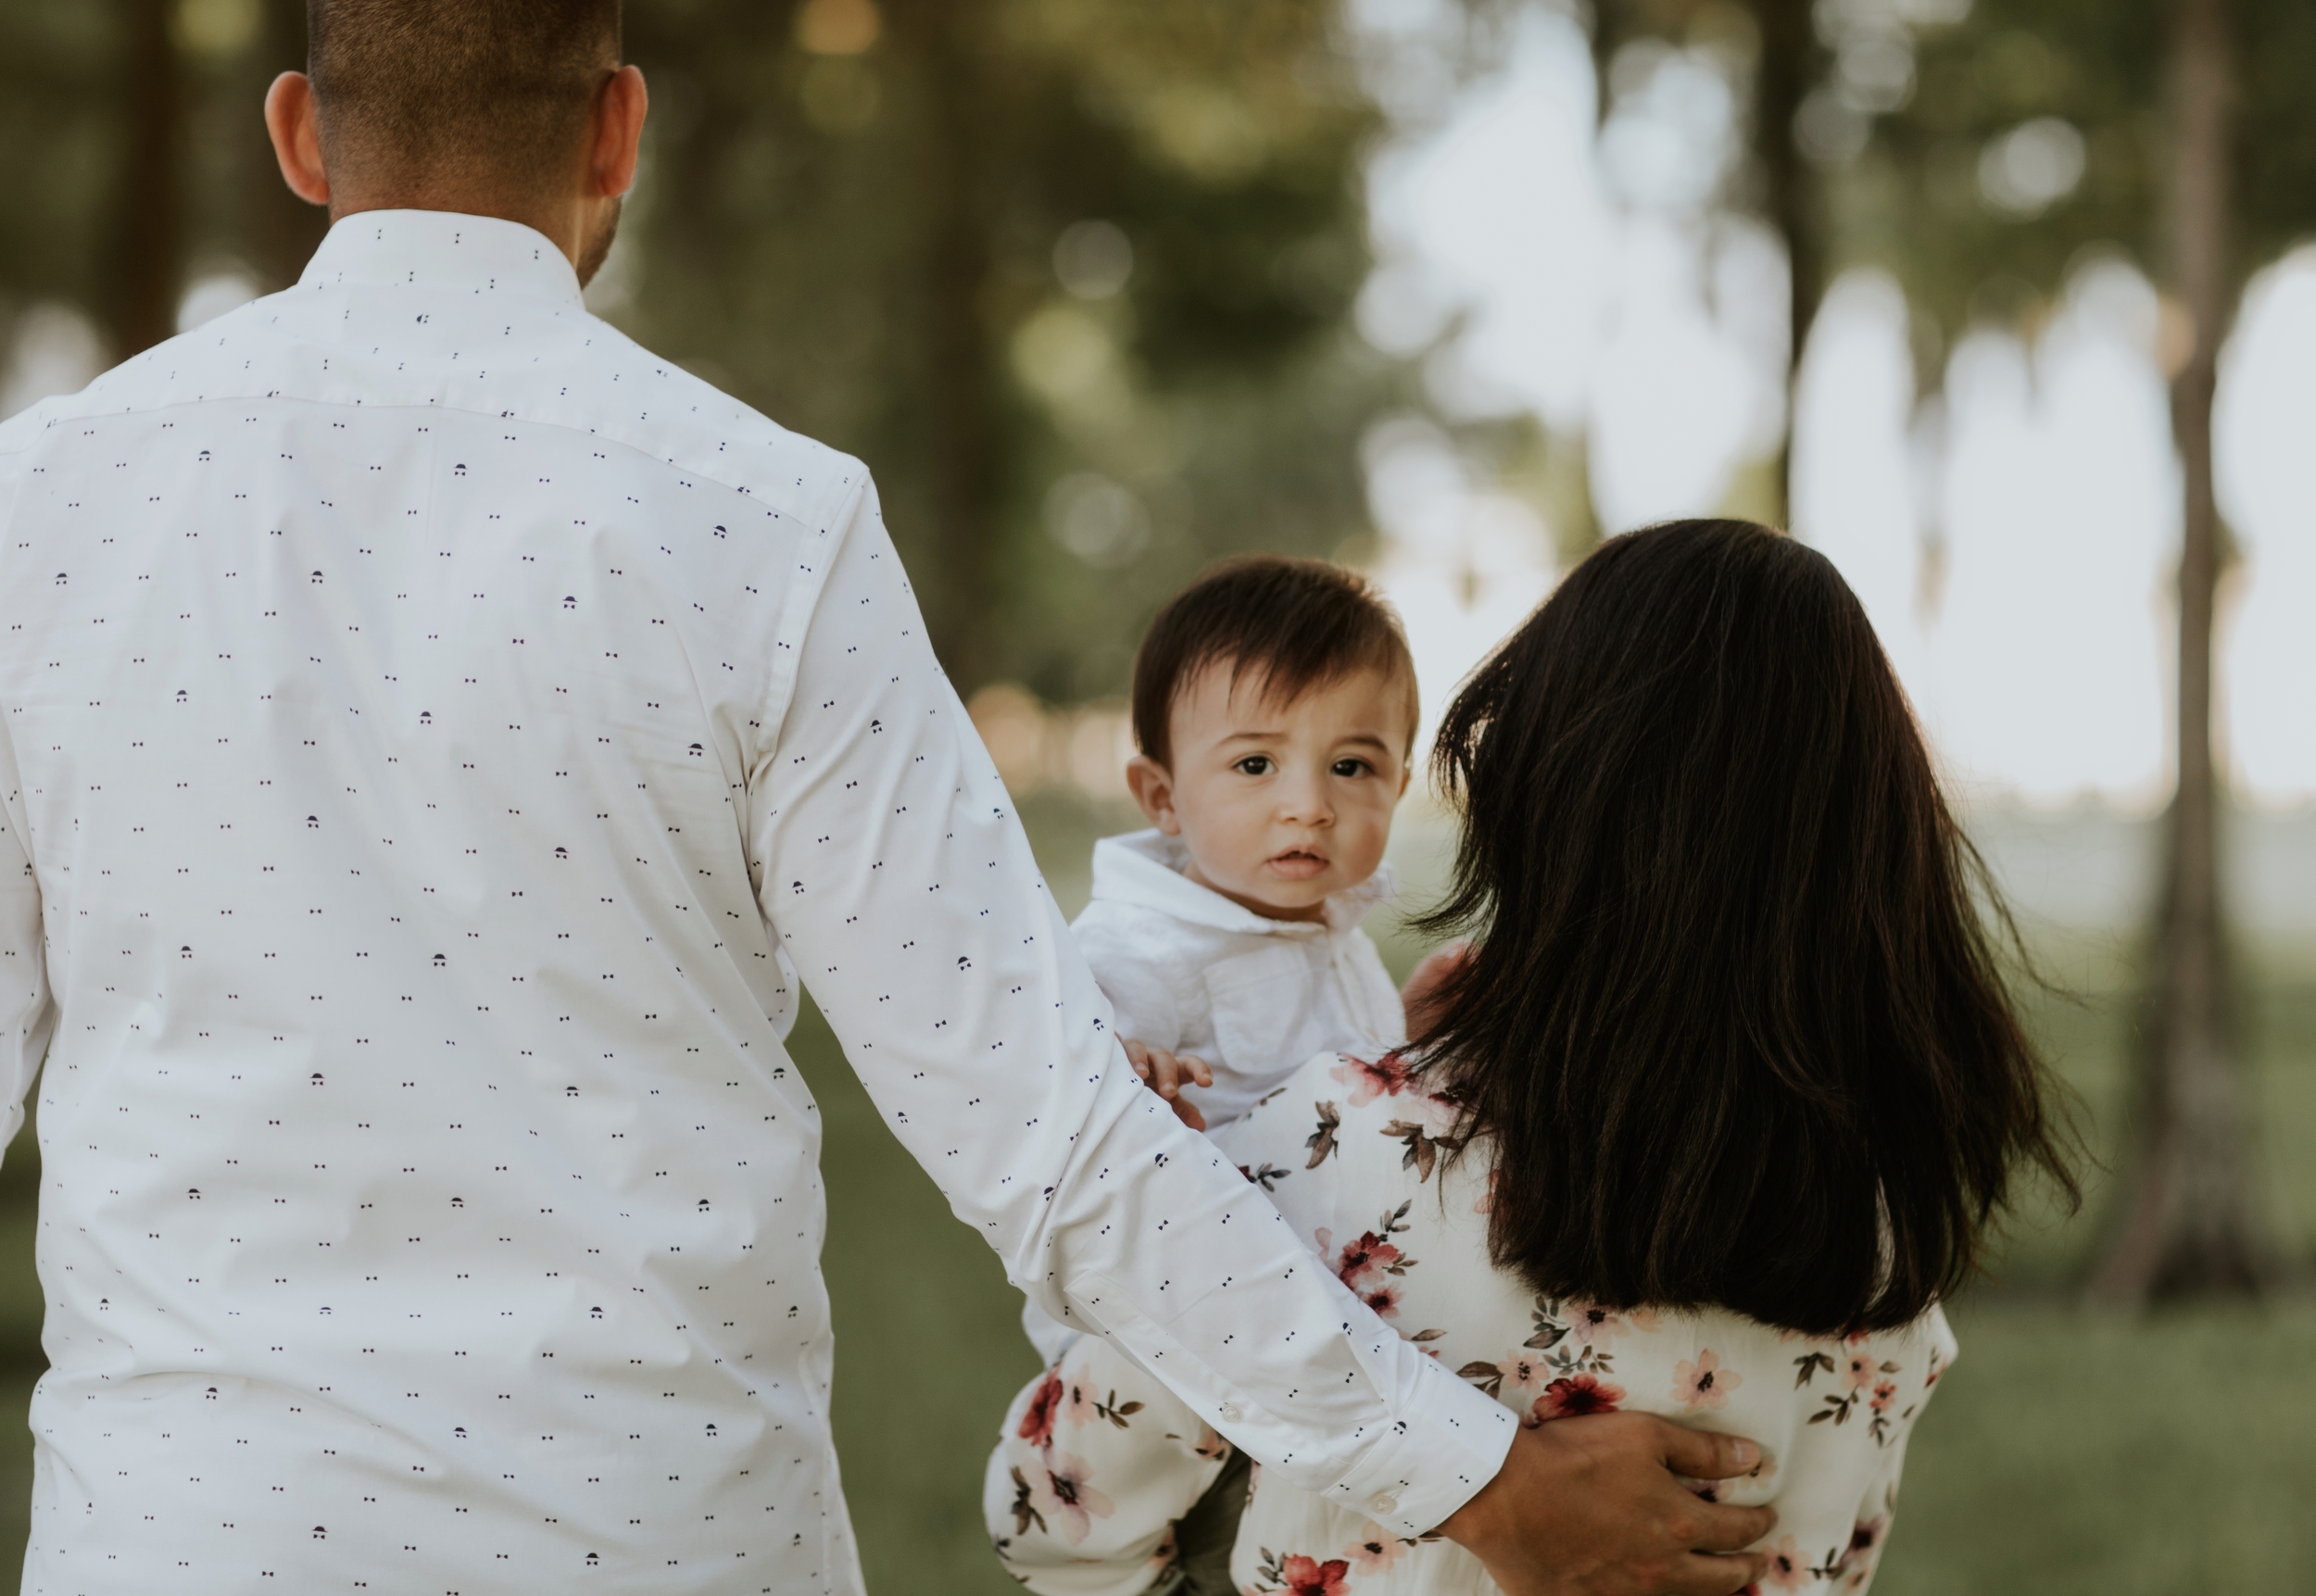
(1275, 709)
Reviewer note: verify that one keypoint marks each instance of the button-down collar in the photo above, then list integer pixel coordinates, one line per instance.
(1146, 868)
(443, 249)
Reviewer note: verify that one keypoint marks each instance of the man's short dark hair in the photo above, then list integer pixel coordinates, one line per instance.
(493, 91)
(1283, 626)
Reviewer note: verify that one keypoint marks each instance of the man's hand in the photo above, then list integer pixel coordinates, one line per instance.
(1592, 1507)
(1167, 1074)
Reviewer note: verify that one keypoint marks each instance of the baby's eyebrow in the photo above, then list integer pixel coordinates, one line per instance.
(1369, 739)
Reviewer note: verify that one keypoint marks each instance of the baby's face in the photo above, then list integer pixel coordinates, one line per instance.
(1280, 804)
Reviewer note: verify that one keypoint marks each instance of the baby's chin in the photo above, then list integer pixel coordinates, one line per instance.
(1295, 893)
(1266, 891)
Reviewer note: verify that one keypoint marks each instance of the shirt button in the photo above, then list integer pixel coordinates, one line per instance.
(1383, 1504)
(1231, 1412)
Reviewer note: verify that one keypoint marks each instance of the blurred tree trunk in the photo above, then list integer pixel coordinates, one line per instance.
(961, 403)
(2190, 1226)
(148, 230)
(1790, 62)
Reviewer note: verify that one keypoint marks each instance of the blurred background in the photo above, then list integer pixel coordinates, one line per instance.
(2008, 305)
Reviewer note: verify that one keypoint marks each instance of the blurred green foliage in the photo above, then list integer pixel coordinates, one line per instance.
(1915, 202)
(1072, 278)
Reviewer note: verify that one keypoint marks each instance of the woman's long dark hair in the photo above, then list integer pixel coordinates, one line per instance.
(1734, 1031)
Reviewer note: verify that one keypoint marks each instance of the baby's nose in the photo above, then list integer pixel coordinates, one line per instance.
(1306, 803)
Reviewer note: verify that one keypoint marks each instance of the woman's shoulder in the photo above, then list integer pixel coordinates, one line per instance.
(1343, 1090)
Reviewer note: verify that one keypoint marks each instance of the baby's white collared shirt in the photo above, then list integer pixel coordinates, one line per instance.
(1190, 971)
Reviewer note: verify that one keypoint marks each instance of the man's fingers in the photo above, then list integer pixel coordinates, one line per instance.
(1723, 1527)
(1698, 1576)
(1700, 1454)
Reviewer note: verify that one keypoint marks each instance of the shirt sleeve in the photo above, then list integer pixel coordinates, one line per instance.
(898, 882)
(27, 1013)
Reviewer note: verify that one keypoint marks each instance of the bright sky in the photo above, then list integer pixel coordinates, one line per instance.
(2012, 538)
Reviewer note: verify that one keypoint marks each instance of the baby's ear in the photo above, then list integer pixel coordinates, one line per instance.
(1153, 786)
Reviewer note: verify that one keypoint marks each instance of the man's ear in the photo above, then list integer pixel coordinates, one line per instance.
(1153, 786)
(617, 133)
(290, 121)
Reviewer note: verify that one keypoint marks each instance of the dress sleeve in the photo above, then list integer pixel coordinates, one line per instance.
(1096, 1464)
(1856, 1565)
(894, 876)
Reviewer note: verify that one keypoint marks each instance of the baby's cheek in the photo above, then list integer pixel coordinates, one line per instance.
(1371, 835)
(1227, 839)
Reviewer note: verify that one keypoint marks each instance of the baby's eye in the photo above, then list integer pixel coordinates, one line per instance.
(1255, 765)
(1349, 768)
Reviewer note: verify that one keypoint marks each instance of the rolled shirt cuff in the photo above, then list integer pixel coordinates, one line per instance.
(1432, 1460)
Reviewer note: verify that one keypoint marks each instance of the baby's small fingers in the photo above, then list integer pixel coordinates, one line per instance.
(1138, 1055)
(1186, 1111)
(1195, 1067)
(1166, 1071)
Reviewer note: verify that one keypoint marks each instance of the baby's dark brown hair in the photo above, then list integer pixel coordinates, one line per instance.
(1284, 627)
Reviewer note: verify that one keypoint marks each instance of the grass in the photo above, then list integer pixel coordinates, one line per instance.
(2073, 1456)
(2166, 1455)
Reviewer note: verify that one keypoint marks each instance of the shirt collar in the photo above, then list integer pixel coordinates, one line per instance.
(1145, 869)
(442, 249)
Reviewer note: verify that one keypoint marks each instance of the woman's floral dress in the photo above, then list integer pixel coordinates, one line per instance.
(1098, 1460)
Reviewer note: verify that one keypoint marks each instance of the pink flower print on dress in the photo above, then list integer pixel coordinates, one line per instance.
(1595, 1326)
(1861, 1370)
(1036, 1424)
(1705, 1385)
(1065, 1498)
(1387, 1077)
(1375, 1550)
(1524, 1372)
(1788, 1570)
(1856, 1564)
(1078, 1406)
(1575, 1395)
(1369, 1256)
(1309, 1576)
(1367, 1267)
(1885, 1392)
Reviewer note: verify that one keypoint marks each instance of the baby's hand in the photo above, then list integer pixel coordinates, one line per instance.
(1422, 996)
(1166, 1075)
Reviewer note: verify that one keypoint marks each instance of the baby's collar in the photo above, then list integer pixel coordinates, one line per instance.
(1146, 869)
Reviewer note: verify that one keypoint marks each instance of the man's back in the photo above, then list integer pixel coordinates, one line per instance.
(380, 667)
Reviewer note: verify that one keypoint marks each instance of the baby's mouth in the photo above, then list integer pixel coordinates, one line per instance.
(1298, 864)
